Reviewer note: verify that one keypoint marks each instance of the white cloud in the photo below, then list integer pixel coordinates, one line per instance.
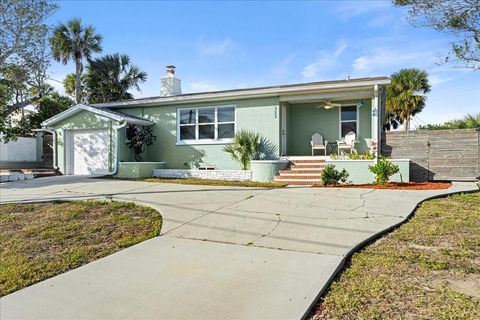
(282, 69)
(202, 86)
(214, 47)
(349, 9)
(326, 61)
(436, 79)
(381, 59)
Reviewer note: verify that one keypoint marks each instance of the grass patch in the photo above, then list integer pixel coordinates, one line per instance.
(227, 183)
(41, 240)
(429, 268)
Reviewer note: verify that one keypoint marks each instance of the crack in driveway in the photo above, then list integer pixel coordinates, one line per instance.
(271, 231)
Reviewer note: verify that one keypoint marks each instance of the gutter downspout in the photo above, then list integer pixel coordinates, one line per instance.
(117, 152)
(54, 134)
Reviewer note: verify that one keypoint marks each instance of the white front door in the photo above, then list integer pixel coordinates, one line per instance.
(88, 152)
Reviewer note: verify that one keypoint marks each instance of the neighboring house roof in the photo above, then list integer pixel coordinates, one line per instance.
(105, 112)
(281, 90)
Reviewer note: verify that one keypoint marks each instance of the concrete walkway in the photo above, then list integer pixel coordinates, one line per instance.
(225, 252)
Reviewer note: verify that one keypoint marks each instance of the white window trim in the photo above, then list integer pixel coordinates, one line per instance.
(340, 120)
(216, 123)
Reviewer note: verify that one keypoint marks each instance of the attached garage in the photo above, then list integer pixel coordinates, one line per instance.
(87, 151)
(86, 139)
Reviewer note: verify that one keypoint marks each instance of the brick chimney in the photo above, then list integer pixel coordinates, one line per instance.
(170, 85)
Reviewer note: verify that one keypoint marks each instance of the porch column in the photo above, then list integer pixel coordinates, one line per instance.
(375, 119)
(283, 129)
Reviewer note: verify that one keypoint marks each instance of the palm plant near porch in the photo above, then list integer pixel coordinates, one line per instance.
(244, 147)
(406, 94)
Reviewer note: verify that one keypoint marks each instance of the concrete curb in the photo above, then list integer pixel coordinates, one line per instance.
(370, 240)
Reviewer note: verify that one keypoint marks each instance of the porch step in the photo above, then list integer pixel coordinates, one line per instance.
(299, 181)
(42, 172)
(303, 166)
(287, 176)
(302, 161)
(302, 170)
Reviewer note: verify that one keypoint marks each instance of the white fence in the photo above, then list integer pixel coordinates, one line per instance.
(23, 153)
(22, 149)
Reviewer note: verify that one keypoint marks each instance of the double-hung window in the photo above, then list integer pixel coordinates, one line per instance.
(348, 120)
(206, 124)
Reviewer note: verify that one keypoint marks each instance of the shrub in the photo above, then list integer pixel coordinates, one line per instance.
(333, 156)
(356, 156)
(330, 175)
(244, 147)
(139, 139)
(383, 170)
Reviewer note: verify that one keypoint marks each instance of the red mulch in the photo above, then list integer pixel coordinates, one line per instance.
(399, 186)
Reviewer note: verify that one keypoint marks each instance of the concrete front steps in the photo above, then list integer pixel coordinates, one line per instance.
(302, 171)
(43, 172)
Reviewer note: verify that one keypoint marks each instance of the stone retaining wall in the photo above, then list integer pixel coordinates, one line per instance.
(15, 176)
(237, 175)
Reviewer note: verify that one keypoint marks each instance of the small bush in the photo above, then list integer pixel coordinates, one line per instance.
(333, 156)
(356, 156)
(330, 175)
(383, 170)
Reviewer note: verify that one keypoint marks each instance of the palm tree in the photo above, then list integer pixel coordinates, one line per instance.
(244, 147)
(110, 77)
(69, 84)
(76, 42)
(406, 94)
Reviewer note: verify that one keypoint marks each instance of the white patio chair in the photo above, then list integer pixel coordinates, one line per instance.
(318, 143)
(348, 143)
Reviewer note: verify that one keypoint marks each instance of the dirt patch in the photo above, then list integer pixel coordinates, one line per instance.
(469, 285)
(398, 186)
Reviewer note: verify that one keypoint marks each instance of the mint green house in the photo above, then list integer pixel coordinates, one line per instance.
(191, 129)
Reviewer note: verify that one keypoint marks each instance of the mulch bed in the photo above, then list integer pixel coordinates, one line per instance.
(398, 186)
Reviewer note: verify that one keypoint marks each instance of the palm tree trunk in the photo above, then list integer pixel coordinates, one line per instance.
(406, 119)
(78, 79)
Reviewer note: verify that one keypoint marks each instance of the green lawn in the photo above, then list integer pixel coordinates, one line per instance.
(218, 182)
(38, 241)
(429, 268)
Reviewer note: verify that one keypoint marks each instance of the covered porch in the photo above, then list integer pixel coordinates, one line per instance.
(331, 114)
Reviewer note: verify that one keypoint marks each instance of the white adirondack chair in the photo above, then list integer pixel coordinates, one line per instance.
(348, 143)
(318, 143)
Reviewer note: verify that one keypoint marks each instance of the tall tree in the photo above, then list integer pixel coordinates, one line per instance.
(23, 30)
(460, 18)
(110, 78)
(406, 94)
(23, 53)
(48, 106)
(75, 42)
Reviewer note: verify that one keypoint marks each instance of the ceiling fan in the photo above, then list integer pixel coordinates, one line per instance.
(329, 105)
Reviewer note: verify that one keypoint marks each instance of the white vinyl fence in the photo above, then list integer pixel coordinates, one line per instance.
(22, 149)
(24, 152)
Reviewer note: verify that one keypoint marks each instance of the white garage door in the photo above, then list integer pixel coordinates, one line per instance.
(89, 152)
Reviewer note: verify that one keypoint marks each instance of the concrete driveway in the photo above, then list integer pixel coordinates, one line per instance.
(225, 252)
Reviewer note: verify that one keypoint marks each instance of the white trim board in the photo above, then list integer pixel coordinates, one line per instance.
(104, 113)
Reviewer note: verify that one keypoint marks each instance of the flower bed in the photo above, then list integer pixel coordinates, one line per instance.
(397, 186)
(360, 174)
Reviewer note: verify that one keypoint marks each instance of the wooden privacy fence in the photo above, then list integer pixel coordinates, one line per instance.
(436, 154)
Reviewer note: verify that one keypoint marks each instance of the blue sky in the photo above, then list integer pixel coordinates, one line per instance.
(224, 45)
